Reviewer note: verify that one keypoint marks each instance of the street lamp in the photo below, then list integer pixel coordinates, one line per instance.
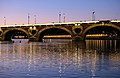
(28, 18)
(93, 15)
(59, 17)
(30, 28)
(63, 17)
(35, 18)
(4, 20)
(34, 28)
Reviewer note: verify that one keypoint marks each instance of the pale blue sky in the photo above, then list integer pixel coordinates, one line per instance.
(47, 11)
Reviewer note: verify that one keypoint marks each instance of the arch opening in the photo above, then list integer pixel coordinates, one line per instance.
(77, 30)
(102, 32)
(54, 33)
(15, 34)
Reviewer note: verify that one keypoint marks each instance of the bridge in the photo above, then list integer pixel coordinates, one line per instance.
(74, 30)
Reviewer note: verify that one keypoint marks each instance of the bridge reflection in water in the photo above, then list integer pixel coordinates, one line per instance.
(60, 59)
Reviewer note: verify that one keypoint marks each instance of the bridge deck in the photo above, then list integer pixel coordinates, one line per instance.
(47, 24)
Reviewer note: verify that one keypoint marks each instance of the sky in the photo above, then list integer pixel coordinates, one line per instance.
(47, 11)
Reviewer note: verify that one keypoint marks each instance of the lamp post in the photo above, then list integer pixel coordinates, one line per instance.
(93, 15)
(35, 19)
(59, 17)
(28, 18)
(4, 20)
(63, 17)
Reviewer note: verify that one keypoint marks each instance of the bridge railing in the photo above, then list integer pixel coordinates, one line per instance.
(67, 23)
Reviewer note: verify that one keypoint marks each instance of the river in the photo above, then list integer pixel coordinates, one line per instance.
(55, 58)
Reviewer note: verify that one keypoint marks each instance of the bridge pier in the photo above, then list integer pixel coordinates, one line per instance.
(77, 38)
(33, 40)
(1, 39)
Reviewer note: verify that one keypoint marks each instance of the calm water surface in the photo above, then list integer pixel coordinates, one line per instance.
(60, 59)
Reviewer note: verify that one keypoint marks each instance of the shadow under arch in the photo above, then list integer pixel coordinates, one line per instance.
(100, 25)
(9, 33)
(41, 33)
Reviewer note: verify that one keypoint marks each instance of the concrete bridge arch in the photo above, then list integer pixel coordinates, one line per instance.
(99, 25)
(41, 32)
(7, 34)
